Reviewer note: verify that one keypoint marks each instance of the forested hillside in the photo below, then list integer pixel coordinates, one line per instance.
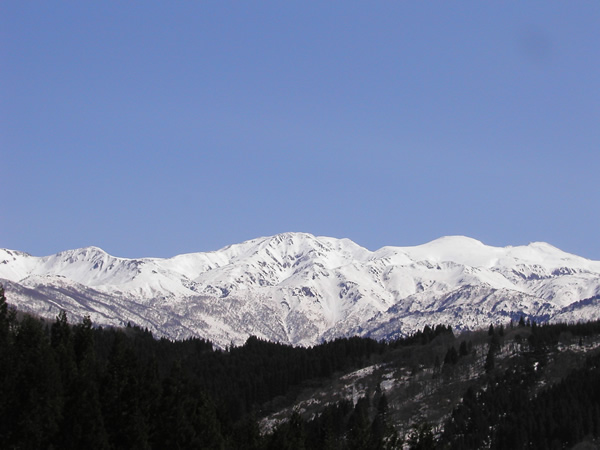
(75, 386)
(525, 385)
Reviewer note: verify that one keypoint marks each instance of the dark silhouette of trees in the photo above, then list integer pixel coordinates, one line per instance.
(77, 386)
(508, 412)
(74, 386)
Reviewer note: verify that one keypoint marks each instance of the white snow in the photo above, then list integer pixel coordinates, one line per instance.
(298, 288)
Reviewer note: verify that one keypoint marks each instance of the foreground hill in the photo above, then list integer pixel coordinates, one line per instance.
(300, 289)
(76, 386)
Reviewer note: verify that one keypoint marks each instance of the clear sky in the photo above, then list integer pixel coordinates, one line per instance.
(158, 128)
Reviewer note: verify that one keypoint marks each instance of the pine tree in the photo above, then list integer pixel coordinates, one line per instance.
(360, 426)
(290, 435)
(490, 360)
(37, 406)
(7, 375)
(3, 316)
(61, 341)
(7, 321)
(421, 437)
(121, 395)
(383, 435)
(83, 423)
(246, 434)
(188, 418)
(451, 356)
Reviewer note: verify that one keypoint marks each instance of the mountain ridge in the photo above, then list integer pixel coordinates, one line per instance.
(301, 289)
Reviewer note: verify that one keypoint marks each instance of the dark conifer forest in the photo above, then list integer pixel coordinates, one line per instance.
(66, 386)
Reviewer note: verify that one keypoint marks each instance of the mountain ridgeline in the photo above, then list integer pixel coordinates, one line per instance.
(299, 289)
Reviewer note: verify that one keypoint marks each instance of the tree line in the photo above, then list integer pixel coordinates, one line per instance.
(68, 385)
(517, 408)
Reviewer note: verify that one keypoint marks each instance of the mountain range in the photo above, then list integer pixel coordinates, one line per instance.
(300, 289)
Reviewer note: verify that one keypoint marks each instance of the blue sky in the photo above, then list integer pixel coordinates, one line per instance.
(158, 128)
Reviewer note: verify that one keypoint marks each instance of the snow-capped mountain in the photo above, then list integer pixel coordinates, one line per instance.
(301, 289)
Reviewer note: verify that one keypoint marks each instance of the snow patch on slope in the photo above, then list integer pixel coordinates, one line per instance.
(301, 289)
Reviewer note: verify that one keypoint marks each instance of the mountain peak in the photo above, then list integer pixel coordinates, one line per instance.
(457, 239)
(455, 243)
(458, 249)
(83, 251)
(289, 238)
(93, 250)
(297, 288)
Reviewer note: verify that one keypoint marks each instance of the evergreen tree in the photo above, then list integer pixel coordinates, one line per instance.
(451, 357)
(421, 437)
(359, 435)
(7, 373)
(490, 362)
(290, 435)
(61, 342)
(246, 434)
(36, 406)
(122, 398)
(383, 435)
(188, 419)
(4, 317)
(83, 424)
